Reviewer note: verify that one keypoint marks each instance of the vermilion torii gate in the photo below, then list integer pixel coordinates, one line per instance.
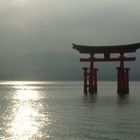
(90, 74)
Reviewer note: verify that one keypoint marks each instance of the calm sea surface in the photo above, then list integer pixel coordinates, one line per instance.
(60, 111)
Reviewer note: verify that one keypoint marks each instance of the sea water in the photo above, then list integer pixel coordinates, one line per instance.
(60, 111)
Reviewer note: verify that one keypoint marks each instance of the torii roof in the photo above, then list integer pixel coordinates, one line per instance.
(107, 49)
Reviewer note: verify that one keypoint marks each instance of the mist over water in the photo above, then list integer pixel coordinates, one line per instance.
(60, 111)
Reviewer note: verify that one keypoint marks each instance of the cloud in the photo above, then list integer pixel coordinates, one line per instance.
(52, 25)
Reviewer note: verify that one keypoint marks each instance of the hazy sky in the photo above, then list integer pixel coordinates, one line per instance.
(53, 25)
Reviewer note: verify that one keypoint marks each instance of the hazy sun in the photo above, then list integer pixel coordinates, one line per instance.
(20, 1)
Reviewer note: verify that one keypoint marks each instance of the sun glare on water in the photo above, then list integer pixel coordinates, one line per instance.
(26, 95)
(27, 115)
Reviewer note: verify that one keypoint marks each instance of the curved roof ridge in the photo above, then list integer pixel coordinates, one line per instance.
(131, 44)
(113, 48)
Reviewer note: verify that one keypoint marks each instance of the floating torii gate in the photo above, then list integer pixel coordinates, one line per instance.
(90, 73)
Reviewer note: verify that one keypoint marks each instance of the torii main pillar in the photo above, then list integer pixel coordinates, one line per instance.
(90, 77)
(122, 77)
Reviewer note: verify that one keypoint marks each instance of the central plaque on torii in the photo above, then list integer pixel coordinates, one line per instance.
(90, 73)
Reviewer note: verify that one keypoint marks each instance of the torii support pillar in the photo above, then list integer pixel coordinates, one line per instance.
(123, 80)
(93, 87)
(85, 79)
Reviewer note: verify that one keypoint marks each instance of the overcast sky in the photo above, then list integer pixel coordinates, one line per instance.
(53, 25)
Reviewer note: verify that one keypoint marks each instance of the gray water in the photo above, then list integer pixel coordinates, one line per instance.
(60, 111)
